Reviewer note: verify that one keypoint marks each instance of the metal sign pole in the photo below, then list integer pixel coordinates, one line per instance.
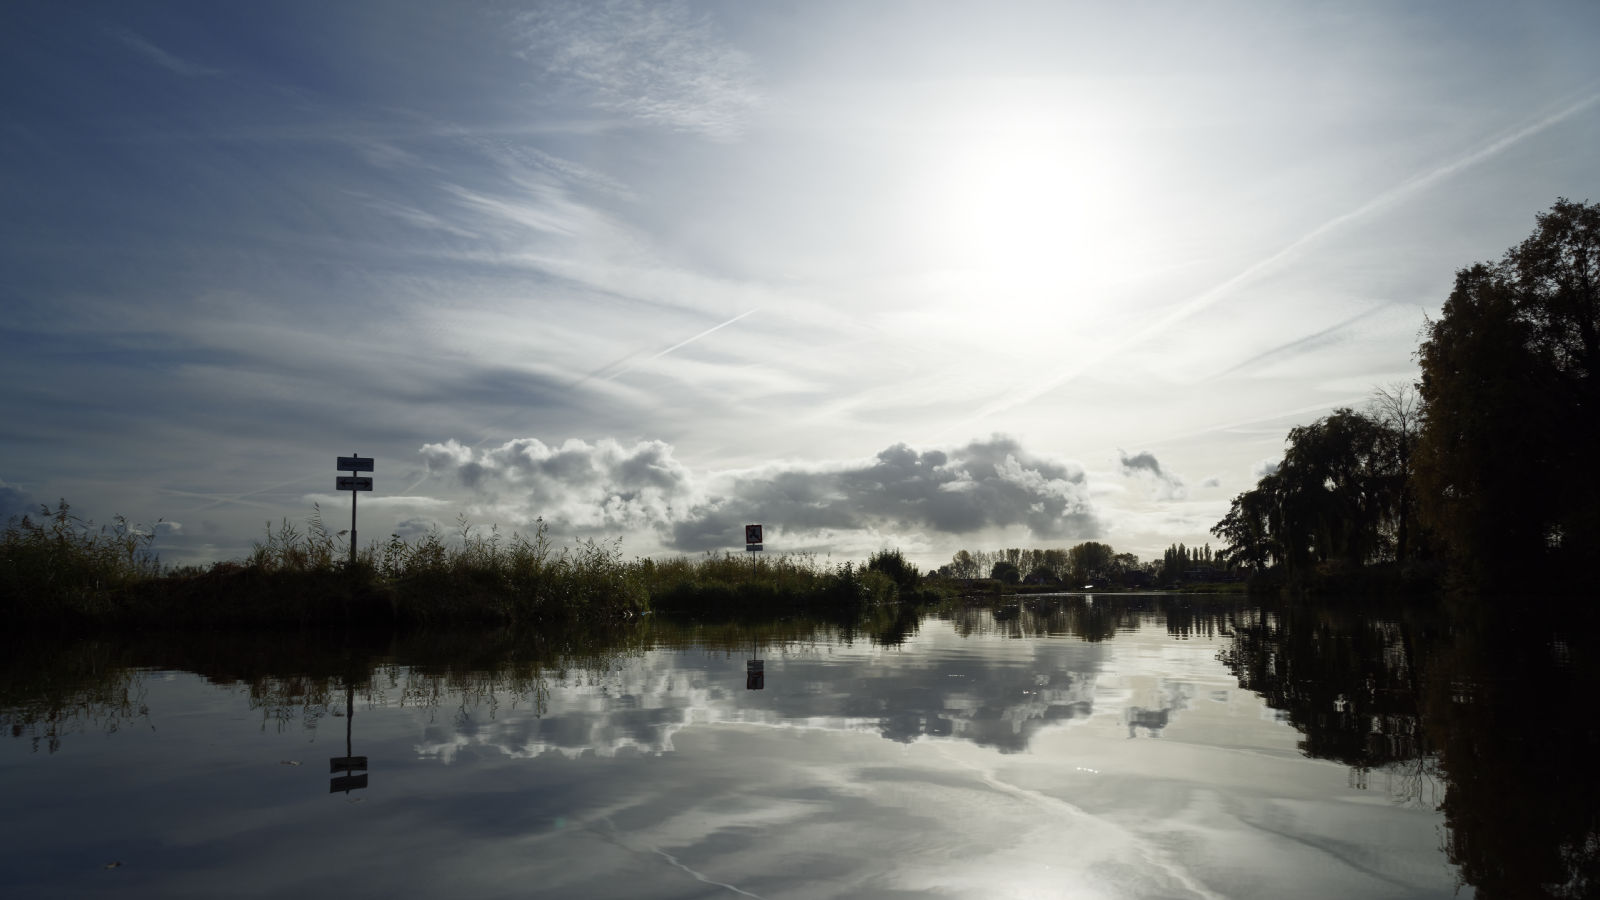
(353, 524)
(353, 484)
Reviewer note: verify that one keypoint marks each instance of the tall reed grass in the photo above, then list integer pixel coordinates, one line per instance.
(60, 561)
(63, 570)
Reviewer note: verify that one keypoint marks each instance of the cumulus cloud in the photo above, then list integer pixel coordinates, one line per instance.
(1168, 484)
(608, 487)
(986, 484)
(658, 62)
(603, 486)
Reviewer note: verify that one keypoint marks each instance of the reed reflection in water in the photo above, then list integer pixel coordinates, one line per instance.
(1117, 747)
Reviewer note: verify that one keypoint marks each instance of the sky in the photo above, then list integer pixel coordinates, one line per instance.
(929, 276)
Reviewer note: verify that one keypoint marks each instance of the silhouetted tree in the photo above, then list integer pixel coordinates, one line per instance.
(1336, 497)
(1090, 559)
(1006, 572)
(1511, 393)
(894, 564)
(962, 565)
(1397, 407)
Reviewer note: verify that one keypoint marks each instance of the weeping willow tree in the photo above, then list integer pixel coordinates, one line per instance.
(1337, 497)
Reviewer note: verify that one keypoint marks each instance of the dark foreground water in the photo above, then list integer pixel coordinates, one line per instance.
(1067, 747)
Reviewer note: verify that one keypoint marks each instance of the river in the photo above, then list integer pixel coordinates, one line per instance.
(1068, 746)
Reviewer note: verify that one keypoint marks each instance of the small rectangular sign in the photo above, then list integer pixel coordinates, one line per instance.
(354, 464)
(752, 547)
(354, 483)
(347, 783)
(347, 764)
(752, 534)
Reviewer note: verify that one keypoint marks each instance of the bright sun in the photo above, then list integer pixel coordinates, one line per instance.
(1034, 214)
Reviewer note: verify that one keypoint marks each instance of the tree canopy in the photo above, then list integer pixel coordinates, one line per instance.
(1488, 460)
(1511, 424)
(1338, 496)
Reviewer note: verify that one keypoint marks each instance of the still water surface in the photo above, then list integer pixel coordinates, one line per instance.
(1066, 748)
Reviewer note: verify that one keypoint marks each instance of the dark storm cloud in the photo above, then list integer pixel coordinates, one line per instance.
(986, 484)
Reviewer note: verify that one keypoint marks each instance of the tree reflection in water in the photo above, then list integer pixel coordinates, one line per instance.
(1488, 722)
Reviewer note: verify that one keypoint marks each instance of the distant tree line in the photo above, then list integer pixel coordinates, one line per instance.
(1483, 467)
(1089, 563)
(1180, 565)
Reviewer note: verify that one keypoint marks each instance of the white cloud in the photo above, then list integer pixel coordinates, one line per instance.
(985, 484)
(657, 62)
(607, 487)
(604, 486)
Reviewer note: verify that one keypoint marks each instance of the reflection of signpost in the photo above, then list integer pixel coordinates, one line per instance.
(353, 484)
(755, 670)
(347, 762)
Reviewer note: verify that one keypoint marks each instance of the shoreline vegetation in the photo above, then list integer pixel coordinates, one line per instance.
(62, 570)
(58, 570)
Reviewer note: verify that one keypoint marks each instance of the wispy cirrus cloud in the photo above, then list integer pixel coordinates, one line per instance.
(657, 62)
(169, 61)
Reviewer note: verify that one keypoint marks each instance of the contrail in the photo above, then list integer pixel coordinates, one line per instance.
(678, 346)
(1324, 406)
(610, 366)
(237, 498)
(597, 373)
(1209, 297)
(1309, 339)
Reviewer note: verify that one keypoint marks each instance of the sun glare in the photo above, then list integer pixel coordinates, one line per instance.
(1034, 215)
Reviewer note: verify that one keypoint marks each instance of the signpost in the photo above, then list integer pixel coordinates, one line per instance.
(355, 484)
(755, 670)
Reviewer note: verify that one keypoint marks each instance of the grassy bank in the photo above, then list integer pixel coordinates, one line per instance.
(59, 570)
